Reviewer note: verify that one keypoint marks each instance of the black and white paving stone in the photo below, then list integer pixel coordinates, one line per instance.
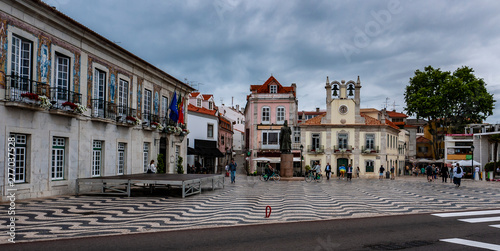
(243, 203)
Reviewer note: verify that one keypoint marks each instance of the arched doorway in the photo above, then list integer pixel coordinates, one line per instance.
(340, 162)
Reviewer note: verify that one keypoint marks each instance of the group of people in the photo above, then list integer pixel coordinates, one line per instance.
(343, 171)
(455, 174)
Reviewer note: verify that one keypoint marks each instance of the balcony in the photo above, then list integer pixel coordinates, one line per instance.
(317, 149)
(30, 94)
(341, 149)
(370, 150)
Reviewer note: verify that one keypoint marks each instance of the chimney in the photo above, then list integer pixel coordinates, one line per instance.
(237, 107)
(317, 109)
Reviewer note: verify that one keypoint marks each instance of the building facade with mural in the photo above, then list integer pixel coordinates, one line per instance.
(76, 105)
(346, 134)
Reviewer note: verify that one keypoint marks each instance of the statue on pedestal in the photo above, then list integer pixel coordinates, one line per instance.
(285, 138)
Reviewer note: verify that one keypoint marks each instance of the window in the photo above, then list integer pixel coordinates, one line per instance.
(96, 158)
(315, 142)
(164, 105)
(273, 89)
(210, 105)
(369, 166)
(145, 156)
(222, 139)
(266, 114)
(57, 166)
(420, 129)
(370, 142)
(280, 115)
(198, 102)
(296, 134)
(62, 77)
(121, 157)
(99, 93)
(270, 138)
(210, 131)
(342, 141)
(122, 98)
(147, 105)
(21, 62)
(423, 149)
(21, 157)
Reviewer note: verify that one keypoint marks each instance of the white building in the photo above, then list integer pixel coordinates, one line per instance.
(49, 56)
(236, 116)
(202, 139)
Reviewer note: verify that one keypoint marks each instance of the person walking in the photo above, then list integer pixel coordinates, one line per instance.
(444, 173)
(357, 172)
(232, 168)
(381, 172)
(452, 178)
(392, 173)
(342, 171)
(349, 172)
(429, 172)
(457, 175)
(328, 170)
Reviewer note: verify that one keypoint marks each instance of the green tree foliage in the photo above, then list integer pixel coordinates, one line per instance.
(447, 101)
(161, 163)
(180, 168)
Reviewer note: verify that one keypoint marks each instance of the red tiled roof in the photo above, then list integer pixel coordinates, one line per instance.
(265, 87)
(207, 96)
(422, 139)
(194, 94)
(388, 122)
(394, 114)
(314, 121)
(192, 108)
(369, 120)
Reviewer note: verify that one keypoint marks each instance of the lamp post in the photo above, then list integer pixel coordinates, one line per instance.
(301, 148)
(472, 160)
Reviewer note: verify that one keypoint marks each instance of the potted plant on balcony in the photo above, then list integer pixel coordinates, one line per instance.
(69, 106)
(154, 125)
(29, 97)
(45, 102)
(133, 120)
(80, 109)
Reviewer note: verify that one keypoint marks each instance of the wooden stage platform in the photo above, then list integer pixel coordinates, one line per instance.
(121, 184)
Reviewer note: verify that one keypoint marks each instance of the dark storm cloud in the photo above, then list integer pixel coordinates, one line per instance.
(228, 45)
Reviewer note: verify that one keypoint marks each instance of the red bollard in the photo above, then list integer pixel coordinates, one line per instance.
(268, 214)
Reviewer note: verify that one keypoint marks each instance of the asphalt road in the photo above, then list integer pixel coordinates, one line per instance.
(400, 232)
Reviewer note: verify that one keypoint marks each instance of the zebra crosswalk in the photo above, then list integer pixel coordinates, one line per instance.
(473, 219)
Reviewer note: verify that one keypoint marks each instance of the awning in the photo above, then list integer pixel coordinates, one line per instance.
(192, 151)
(209, 152)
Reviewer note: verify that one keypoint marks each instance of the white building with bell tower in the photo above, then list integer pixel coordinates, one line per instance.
(348, 135)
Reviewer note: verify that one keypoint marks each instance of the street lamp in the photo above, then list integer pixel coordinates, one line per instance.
(472, 160)
(301, 148)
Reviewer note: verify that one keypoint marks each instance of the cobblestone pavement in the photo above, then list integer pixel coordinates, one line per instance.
(243, 203)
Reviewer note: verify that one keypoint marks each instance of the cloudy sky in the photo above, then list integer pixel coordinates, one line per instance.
(224, 46)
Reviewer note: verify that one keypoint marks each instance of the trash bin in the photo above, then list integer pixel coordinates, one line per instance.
(387, 175)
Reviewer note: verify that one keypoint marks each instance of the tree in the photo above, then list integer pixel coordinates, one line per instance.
(180, 168)
(161, 163)
(447, 101)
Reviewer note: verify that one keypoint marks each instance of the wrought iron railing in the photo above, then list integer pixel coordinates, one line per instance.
(370, 150)
(17, 86)
(342, 148)
(59, 96)
(104, 109)
(315, 149)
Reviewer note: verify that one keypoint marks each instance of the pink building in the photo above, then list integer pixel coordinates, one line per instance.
(267, 108)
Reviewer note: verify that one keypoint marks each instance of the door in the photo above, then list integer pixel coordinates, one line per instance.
(340, 162)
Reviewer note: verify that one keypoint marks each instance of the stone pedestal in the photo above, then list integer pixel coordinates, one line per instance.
(286, 165)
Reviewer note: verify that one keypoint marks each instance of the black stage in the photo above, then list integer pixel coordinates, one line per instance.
(190, 183)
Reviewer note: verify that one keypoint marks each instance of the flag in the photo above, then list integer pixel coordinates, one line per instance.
(181, 111)
(174, 114)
